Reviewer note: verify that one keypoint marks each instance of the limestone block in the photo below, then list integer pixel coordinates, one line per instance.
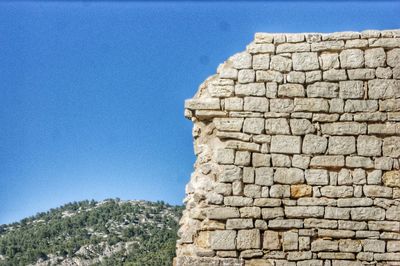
(313, 144)
(277, 126)
(247, 239)
(222, 213)
(323, 90)
(355, 202)
(375, 191)
(324, 245)
(250, 212)
(253, 125)
(301, 127)
(361, 73)
(352, 106)
(260, 159)
(298, 191)
(305, 61)
(383, 88)
(279, 191)
(342, 145)
(384, 129)
(261, 61)
(285, 144)
(311, 105)
(304, 212)
(281, 105)
(359, 176)
(333, 161)
(369, 146)
(313, 76)
(319, 223)
(393, 246)
(348, 245)
(271, 240)
(351, 225)
(239, 223)
(296, 77)
(393, 213)
(393, 57)
(228, 124)
(336, 106)
(285, 224)
(337, 191)
(334, 75)
(336, 233)
(250, 89)
(391, 178)
(352, 58)
(356, 43)
(241, 60)
(257, 104)
(344, 128)
(374, 177)
(290, 240)
(257, 48)
(391, 147)
(317, 177)
(327, 46)
(225, 156)
(367, 213)
(280, 160)
(272, 213)
(359, 162)
(329, 60)
(390, 105)
(291, 90)
(237, 201)
(300, 161)
(269, 76)
(252, 191)
(289, 176)
(281, 63)
(223, 239)
(203, 104)
(383, 72)
(337, 213)
(242, 158)
(230, 173)
(237, 188)
(234, 104)
(372, 245)
(292, 48)
(375, 57)
(387, 256)
(384, 225)
(264, 176)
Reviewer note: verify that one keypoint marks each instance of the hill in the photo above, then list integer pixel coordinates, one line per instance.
(110, 232)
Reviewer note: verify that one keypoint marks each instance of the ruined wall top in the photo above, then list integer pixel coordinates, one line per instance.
(298, 144)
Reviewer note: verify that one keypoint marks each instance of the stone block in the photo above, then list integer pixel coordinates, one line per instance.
(280, 63)
(248, 239)
(285, 144)
(352, 106)
(261, 61)
(241, 60)
(304, 212)
(239, 224)
(242, 158)
(281, 105)
(305, 61)
(264, 176)
(337, 191)
(250, 89)
(317, 177)
(289, 176)
(230, 173)
(310, 105)
(375, 57)
(271, 240)
(369, 145)
(329, 161)
(277, 126)
(375, 191)
(256, 104)
(341, 145)
(393, 57)
(383, 88)
(291, 90)
(323, 90)
(253, 125)
(290, 241)
(279, 191)
(352, 58)
(367, 213)
(391, 147)
(324, 245)
(329, 60)
(391, 178)
(272, 213)
(298, 191)
(313, 144)
(222, 213)
(344, 128)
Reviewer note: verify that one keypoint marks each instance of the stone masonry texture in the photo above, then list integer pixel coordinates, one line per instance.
(297, 141)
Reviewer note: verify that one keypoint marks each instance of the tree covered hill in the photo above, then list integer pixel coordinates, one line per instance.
(110, 232)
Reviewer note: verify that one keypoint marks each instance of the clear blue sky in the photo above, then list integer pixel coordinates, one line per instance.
(91, 96)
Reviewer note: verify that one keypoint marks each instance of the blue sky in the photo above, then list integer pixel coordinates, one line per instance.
(91, 96)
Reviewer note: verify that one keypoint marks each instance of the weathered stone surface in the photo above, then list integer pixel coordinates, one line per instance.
(285, 224)
(367, 213)
(261, 61)
(391, 178)
(375, 191)
(324, 245)
(289, 176)
(311, 105)
(352, 106)
(247, 239)
(257, 104)
(361, 74)
(369, 145)
(329, 60)
(342, 145)
(271, 240)
(203, 104)
(291, 90)
(304, 212)
(344, 128)
(277, 126)
(281, 63)
(383, 88)
(290, 240)
(352, 58)
(298, 191)
(329, 161)
(391, 147)
(337, 191)
(323, 90)
(253, 125)
(305, 61)
(393, 213)
(264, 176)
(223, 239)
(241, 60)
(393, 57)
(375, 57)
(239, 223)
(337, 213)
(317, 177)
(250, 89)
(280, 191)
(285, 144)
(281, 105)
(335, 75)
(359, 162)
(237, 201)
(272, 213)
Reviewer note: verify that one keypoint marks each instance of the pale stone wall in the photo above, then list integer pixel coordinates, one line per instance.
(298, 144)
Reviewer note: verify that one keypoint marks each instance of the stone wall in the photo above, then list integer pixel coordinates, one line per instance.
(298, 143)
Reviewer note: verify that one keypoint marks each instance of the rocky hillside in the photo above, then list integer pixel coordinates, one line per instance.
(110, 232)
